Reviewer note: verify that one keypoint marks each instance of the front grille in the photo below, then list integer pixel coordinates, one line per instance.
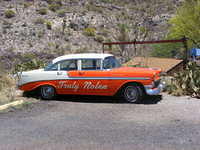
(156, 83)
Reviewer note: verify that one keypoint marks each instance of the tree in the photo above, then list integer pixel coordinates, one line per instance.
(168, 50)
(187, 22)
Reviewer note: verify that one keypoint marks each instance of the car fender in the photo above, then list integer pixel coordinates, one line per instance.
(34, 85)
(118, 88)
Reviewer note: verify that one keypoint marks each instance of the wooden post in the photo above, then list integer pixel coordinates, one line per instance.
(186, 49)
(103, 47)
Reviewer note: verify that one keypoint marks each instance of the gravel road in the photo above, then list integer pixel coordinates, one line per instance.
(82, 123)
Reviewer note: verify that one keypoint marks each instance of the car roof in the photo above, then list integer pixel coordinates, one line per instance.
(82, 56)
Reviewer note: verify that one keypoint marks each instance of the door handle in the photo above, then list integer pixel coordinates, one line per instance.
(59, 73)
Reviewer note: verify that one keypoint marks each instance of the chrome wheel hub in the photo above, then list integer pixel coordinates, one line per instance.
(47, 92)
(131, 93)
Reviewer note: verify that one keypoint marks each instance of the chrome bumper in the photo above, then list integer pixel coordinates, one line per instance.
(155, 91)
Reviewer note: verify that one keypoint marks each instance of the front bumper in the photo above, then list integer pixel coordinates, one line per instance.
(155, 91)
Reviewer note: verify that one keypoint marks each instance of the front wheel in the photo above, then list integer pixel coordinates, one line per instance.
(132, 93)
(47, 92)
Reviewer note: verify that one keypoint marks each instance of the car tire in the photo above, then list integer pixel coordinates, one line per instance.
(132, 93)
(47, 92)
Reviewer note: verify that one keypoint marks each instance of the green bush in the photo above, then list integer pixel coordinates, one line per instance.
(27, 4)
(99, 38)
(9, 13)
(54, 1)
(39, 21)
(91, 7)
(89, 31)
(48, 25)
(32, 63)
(107, 1)
(186, 22)
(42, 11)
(49, 1)
(54, 7)
(61, 13)
(6, 24)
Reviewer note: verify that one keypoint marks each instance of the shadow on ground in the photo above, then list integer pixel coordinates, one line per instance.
(148, 100)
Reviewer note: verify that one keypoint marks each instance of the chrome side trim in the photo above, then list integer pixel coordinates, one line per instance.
(81, 78)
(107, 78)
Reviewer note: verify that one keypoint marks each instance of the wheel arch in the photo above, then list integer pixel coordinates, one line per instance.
(44, 84)
(35, 86)
(128, 83)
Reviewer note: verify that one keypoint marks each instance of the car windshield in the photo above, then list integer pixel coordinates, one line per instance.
(111, 62)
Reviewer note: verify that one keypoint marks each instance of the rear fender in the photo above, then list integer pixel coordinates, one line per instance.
(34, 85)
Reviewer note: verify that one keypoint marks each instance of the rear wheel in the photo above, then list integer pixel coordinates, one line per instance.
(132, 93)
(47, 92)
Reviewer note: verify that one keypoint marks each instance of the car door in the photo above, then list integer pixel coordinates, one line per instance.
(58, 75)
(92, 79)
(65, 84)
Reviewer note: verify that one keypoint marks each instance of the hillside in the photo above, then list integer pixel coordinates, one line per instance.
(69, 26)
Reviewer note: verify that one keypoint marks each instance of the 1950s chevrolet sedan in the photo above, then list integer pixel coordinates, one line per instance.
(92, 74)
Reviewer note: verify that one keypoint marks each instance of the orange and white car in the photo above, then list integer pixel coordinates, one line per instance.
(92, 74)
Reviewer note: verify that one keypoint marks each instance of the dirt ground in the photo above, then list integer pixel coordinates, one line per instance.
(77, 123)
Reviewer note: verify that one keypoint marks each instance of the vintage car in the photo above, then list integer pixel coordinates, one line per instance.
(92, 74)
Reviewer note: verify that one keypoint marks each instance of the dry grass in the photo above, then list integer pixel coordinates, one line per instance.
(7, 89)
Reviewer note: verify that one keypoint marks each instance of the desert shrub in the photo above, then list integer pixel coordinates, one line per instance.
(40, 33)
(7, 88)
(6, 81)
(31, 61)
(49, 25)
(89, 31)
(107, 1)
(11, 61)
(6, 24)
(27, 4)
(105, 32)
(91, 7)
(39, 21)
(61, 13)
(186, 82)
(54, 7)
(54, 1)
(9, 13)
(99, 38)
(83, 49)
(42, 11)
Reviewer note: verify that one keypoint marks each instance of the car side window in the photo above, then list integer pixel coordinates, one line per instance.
(51, 67)
(90, 64)
(67, 65)
(110, 62)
